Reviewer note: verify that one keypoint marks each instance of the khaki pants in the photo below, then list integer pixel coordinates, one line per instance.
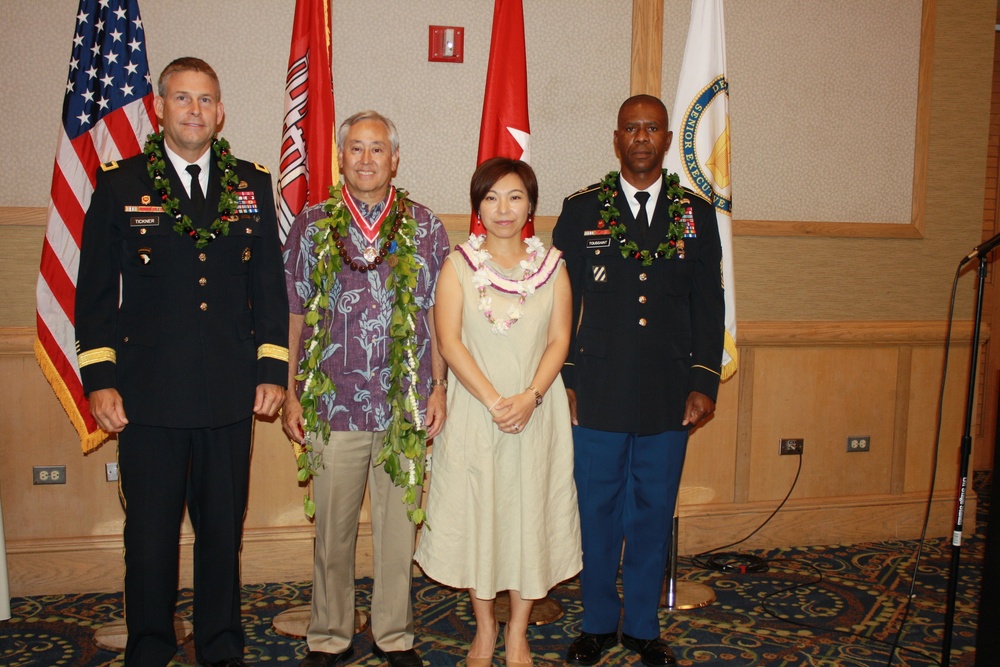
(338, 491)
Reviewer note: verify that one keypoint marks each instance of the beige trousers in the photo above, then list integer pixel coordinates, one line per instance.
(339, 491)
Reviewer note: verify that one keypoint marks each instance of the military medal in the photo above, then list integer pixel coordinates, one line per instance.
(372, 256)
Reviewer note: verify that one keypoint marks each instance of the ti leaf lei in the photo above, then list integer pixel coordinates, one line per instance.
(157, 169)
(674, 241)
(405, 435)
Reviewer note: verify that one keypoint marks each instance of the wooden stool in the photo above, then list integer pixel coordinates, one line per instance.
(113, 636)
(543, 611)
(294, 622)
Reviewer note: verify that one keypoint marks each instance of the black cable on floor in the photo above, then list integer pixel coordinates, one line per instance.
(893, 647)
(740, 563)
(736, 562)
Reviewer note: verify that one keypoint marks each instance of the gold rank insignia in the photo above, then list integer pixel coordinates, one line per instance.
(261, 167)
(589, 188)
(246, 254)
(109, 166)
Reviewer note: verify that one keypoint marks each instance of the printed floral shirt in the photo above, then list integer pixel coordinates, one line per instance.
(361, 307)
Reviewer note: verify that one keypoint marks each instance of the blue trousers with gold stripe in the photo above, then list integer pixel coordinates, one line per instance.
(627, 488)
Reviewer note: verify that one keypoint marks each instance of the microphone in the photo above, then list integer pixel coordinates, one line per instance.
(983, 249)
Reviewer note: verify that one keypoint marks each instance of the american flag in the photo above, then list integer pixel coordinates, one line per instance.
(107, 113)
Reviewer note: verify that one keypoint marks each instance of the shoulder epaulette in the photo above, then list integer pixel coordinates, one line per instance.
(261, 167)
(583, 191)
(109, 166)
(697, 194)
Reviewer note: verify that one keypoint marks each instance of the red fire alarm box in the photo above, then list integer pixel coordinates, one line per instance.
(445, 43)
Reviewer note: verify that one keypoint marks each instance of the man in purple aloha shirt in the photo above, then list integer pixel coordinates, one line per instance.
(356, 360)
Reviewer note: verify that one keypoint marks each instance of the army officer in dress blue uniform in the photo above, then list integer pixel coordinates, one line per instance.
(644, 261)
(196, 347)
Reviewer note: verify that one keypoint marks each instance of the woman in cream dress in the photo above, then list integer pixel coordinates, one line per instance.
(502, 510)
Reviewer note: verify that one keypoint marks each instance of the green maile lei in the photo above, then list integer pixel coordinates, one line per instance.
(156, 167)
(672, 244)
(405, 436)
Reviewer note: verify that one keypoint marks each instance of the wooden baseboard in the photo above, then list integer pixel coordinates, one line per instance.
(92, 564)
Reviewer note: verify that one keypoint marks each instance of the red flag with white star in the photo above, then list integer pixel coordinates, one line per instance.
(504, 130)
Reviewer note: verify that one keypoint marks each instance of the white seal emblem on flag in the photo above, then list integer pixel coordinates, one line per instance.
(713, 180)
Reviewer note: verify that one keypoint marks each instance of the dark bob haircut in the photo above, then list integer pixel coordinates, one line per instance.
(492, 170)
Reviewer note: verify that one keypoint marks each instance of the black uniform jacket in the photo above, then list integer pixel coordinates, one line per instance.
(197, 329)
(644, 337)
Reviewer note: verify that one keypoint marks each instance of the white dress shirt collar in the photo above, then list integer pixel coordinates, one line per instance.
(629, 191)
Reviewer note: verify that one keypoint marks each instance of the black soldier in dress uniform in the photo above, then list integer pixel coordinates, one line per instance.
(645, 261)
(182, 333)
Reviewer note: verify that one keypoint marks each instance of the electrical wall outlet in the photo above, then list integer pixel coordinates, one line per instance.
(48, 475)
(111, 472)
(859, 443)
(788, 446)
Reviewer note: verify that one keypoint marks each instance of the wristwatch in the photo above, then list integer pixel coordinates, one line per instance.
(439, 382)
(538, 396)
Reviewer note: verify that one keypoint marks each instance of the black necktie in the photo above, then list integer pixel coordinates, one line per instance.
(197, 194)
(642, 219)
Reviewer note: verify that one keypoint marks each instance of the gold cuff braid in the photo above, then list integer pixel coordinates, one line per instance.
(272, 352)
(96, 356)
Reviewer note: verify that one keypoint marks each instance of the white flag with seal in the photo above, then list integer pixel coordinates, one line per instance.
(699, 152)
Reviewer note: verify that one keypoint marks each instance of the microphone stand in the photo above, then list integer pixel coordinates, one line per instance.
(981, 251)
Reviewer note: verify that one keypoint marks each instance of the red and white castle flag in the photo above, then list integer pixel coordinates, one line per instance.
(308, 165)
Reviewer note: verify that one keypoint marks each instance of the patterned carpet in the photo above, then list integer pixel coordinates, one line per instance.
(835, 606)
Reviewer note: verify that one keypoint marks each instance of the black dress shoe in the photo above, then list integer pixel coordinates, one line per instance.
(230, 662)
(407, 658)
(323, 659)
(652, 652)
(588, 648)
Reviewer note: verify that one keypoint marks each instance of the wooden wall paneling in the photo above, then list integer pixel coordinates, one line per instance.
(839, 520)
(744, 432)
(647, 47)
(823, 395)
(733, 482)
(983, 455)
(35, 431)
(904, 371)
(22, 251)
(922, 427)
(711, 462)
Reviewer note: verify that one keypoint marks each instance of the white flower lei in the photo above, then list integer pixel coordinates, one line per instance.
(484, 277)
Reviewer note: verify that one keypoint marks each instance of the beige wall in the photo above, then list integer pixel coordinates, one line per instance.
(839, 335)
(809, 64)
